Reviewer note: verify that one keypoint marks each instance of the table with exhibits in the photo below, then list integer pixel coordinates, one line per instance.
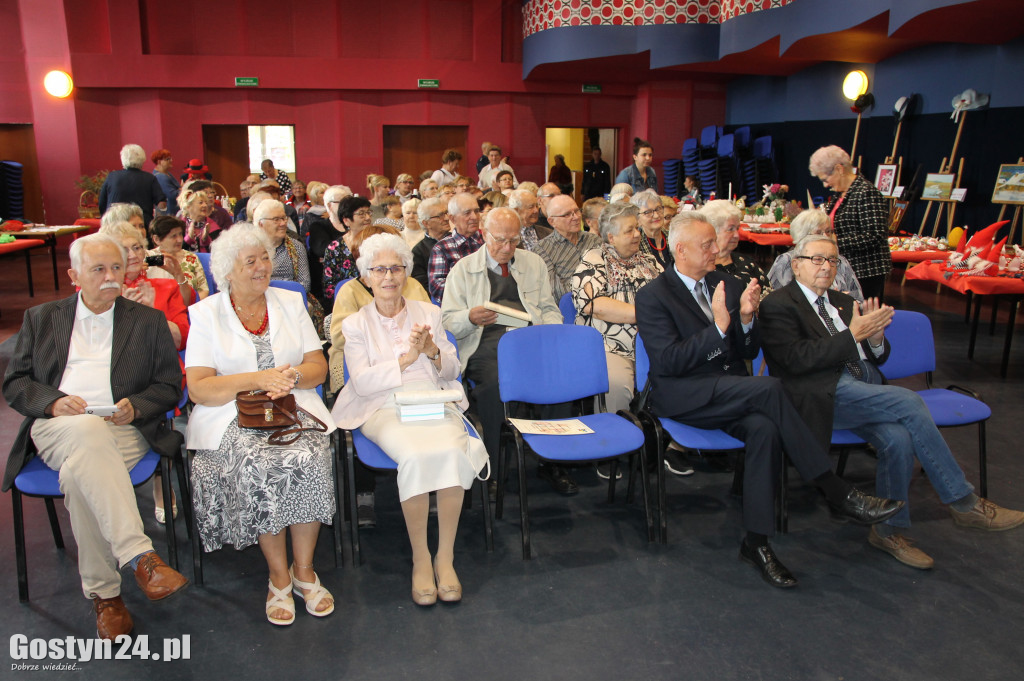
(49, 236)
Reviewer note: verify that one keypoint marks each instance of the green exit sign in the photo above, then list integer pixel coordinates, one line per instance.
(247, 82)
(432, 83)
(591, 89)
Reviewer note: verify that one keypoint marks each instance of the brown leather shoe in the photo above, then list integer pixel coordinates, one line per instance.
(988, 516)
(112, 618)
(156, 579)
(900, 548)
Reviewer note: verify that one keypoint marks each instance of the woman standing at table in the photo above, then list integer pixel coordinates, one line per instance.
(860, 217)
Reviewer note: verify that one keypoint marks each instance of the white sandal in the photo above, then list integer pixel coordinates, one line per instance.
(281, 600)
(317, 594)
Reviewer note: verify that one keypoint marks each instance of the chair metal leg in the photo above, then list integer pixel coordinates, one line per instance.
(782, 506)
(982, 459)
(172, 539)
(340, 484)
(504, 439)
(524, 513)
(197, 545)
(19, 545)
(353, 518)
(485, 501)
(51, 512)
(186, 492)
(611, 480)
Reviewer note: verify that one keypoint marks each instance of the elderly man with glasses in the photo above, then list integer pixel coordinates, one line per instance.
(464, 215)
(433, 218)
(563, 249)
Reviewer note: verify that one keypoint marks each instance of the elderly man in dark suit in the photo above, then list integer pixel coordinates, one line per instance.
(699, 326)
(825, 347)
(93, 350)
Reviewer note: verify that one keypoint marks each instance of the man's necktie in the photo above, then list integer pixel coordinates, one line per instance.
(504, 269)
(851, 366)
(702, 300)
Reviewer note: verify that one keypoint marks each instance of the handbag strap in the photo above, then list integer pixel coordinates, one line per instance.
(281, 436)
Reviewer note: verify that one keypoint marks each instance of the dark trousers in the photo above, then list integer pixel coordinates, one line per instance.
(758, 412)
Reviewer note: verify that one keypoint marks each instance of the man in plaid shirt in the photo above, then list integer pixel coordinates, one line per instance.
(464, 212)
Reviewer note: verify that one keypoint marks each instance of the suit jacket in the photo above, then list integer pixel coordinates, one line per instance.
(143, 367)
(131, 185)
(801, 352)
(687, 353)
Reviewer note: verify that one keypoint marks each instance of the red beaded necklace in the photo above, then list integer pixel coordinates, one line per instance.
(650, 241)
(263, 325)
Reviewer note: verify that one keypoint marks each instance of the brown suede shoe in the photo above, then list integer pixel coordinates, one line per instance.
(156, 579)
(112, 618)
(900, 548)
(988, 516)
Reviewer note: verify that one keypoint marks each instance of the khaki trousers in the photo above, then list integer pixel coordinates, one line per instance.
(621, 377)
(93, 458)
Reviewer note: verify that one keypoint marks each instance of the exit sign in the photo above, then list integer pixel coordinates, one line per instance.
(247, 82)
(591, 89)
(432, 83)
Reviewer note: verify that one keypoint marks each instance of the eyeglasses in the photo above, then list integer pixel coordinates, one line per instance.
(498, 241)
(382, 271)
(280, 220)
(365, 213)
(575, 213)
(443, 216)
(659, 211)
(820, 260)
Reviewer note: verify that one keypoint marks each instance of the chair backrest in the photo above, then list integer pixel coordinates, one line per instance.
(690, 146)
(763, 147)
(204, 260)
(643, 364)
(742, 136)
(708, 136)
(551, 363)
(913, 347)
(567, 308)
(759, 366)
(725, 145)
(291, 286)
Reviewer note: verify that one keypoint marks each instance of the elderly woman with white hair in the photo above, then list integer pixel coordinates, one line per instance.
(428, 188)
(808, 223)
(195, 211)
(412, 230)
(246, 490)
(651, 216)
(725, 217)
(133, 185)
(860, 217)
(392, 345)
(124, 212)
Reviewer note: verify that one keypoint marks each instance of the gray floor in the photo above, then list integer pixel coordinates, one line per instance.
(597, 601)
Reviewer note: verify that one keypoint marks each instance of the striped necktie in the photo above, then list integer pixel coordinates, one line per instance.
(851, 366)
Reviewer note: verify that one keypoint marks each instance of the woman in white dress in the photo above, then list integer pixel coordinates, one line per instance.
(394, 344)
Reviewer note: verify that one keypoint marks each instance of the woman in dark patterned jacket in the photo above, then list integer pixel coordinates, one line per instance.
(860, 217)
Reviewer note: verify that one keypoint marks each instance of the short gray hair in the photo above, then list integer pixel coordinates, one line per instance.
(83, 242)
(424, 209)
(336, 192)
(802, 245)
(719, 211)
(381, 243)
(515, 199)
(645, 198)
(426, 183)
(826, 158)
(132, 156)
(411, 204)
(120, 212)
(622, 188)
(453, 203)
(529, 187)
(225, 249)
(680, 222)
(806, 222)
(608, 223)
(122, 230)
(264, 207)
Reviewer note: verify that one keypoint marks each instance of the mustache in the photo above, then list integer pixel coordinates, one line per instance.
(110, 284)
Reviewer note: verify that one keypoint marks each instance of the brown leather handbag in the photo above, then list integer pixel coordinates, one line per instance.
(257, 410)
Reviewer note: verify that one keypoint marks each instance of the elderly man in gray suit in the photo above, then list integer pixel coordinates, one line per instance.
(94, 375)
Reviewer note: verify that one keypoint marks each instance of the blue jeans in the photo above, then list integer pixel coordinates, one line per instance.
(897, 423)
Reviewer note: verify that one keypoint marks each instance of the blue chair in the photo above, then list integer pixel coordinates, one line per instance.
(36, 479)
(204, 259)
(567, 309)
(551, 364)
(688, 437)
(912, 353)
(370, 455)
(291, 286)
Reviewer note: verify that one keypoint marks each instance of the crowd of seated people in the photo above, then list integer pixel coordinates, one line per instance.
(394, 272)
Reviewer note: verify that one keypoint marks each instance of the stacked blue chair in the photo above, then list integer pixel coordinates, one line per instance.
(727, 175)
(552, 364)
(672, 181)
(12, 191)
(759, 169)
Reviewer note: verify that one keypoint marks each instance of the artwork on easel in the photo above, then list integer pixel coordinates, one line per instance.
(938, 186)
(885, 178)
(1009, 184)
(899, 209)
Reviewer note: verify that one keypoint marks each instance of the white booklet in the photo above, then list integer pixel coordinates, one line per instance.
(508, 316)
(566, 427)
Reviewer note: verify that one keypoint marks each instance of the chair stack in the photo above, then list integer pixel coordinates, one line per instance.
(691, 157)
(707, 163)
(12, 191)
(727, 175)
(759, 170)
(671, 177)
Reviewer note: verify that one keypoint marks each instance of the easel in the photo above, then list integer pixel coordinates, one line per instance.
(1016, 213)
(946, 168)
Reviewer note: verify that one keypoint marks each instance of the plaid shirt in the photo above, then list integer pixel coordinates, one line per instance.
(562, 257)
(443, 257)
(862, 229)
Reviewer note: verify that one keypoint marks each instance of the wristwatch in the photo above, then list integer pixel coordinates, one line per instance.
(436, 355)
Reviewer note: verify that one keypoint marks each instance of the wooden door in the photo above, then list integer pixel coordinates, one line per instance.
(414, 149)
(226, 152)
(18, 143)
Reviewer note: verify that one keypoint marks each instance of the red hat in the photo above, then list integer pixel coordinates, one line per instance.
(196, 166)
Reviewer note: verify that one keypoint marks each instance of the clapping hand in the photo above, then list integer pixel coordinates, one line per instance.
(869, 321)
(750, 299)
(142, 294)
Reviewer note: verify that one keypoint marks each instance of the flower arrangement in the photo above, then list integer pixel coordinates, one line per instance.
(774, 192)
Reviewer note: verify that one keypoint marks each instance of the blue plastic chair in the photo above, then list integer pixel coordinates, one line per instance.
(688, 437)
(36, 479)
(567, 309)
(912, 353)
(291, 286)
(370, 455)
(551, 364)
(204, 259)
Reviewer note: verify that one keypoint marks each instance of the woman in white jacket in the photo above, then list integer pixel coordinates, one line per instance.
(392, 345)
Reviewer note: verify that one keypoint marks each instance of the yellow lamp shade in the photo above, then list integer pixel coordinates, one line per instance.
(855, 84)
(58, 83)
(955, 235)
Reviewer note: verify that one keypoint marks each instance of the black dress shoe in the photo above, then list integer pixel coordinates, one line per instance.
(559, 479)
(764, 559)
(865, 509)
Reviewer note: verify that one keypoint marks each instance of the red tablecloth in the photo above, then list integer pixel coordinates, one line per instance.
(936, 271)
(20, 245)
(918, 256)
(765, 239)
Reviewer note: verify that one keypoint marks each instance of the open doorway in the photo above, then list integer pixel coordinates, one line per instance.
(576, 146)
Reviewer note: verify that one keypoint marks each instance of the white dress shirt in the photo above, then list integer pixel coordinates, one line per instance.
(812, 298)
(87, 373)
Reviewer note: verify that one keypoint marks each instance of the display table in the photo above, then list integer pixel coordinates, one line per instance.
(24, 246)
(49, 236)
(766, 238)
(1010, 288)
(918, 256)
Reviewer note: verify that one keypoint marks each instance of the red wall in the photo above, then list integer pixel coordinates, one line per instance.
(153, 72)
